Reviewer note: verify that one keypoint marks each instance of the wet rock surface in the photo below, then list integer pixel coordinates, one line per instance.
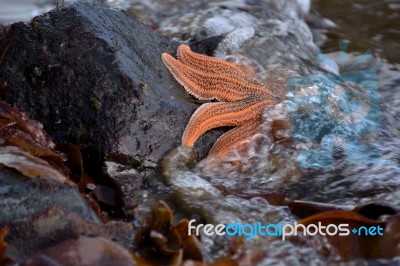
(80, 252)
(40, 205)
(48, 227)
(94, 77)
(21, 197)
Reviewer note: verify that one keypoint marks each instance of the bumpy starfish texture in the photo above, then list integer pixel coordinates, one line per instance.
(241, 99)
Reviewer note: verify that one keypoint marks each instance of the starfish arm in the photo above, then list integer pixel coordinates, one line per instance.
(209, 86)
(210, 64)
(235, 136)
(213, 115)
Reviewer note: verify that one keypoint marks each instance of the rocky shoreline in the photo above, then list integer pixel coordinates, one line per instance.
(93, 76)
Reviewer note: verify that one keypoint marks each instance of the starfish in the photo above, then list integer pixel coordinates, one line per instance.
(241, 100)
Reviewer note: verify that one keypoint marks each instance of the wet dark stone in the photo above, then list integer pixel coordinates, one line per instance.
(93, 76)
(80, 252)
(21, 196)
(39, 214)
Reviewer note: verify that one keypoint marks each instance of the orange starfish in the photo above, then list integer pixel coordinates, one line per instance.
(241, 99)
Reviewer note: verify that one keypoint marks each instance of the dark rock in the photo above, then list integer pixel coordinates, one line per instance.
(52, 226)
(39, 205)
(21, 196)
(39, 214)
(80, 252)
(93, 76)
